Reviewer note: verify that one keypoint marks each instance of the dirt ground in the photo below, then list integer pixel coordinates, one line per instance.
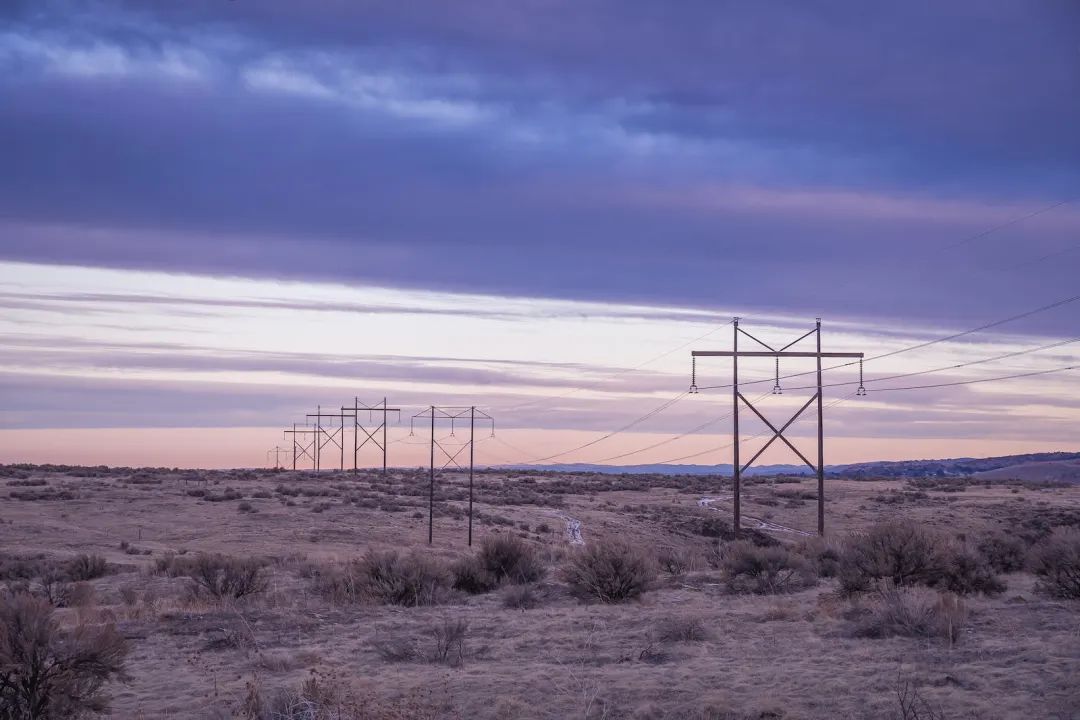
(780, 656)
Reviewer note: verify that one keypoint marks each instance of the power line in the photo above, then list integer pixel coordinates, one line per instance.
(834, 403)
(919, 346)
(1008, 223)
(655, 411)
(673, 438)
(982, 380)
(1054, 254)
(956, 366)
(619, 373)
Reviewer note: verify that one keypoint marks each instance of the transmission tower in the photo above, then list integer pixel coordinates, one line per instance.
(376, 435)
(455, 414)
(276, 452)
(738, 397)
(328, 435)
(303, 444)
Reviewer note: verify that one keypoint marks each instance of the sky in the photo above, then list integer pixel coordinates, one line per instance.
(217, 215)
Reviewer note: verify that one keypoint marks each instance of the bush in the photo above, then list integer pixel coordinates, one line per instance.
(217, 575)
(610, 572)
(49, 673)
(906, 554)
(913, 612)
(87, 567)
(1002, 552)
(765, 570)
(1056, 562)
(902, 552)
(675, 561)
(14, 567)
(444, 645)
(502, 558)
(472, 577)
(520, 597)
(966, 571)
(388, 578)
(824, 554)
(682, 629)
(510, 558)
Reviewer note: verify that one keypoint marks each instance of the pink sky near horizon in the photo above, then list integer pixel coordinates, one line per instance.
(239, 447)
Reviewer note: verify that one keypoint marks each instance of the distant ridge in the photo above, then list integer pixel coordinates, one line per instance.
(1027, 466)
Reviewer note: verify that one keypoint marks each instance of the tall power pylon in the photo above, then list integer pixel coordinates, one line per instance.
(453, 413)
(738, 397)
(327, 435)
(376, 435)
(303, 444)
(276, 452)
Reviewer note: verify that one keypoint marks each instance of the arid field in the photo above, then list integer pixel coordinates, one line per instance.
(273, 594)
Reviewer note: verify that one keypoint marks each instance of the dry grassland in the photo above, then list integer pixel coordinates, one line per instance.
(695, 644)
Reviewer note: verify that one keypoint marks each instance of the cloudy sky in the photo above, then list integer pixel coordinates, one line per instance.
(216, 215)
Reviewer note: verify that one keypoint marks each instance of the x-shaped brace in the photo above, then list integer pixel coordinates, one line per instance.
(778, 433)
(370, 436)
(452, 458)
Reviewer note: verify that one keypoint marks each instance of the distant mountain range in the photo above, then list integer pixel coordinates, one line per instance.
(1040, 466)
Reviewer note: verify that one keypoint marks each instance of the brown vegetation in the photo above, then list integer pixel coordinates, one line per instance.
(1056, 562)
(612, 571)
(348, 613)
(46, 672)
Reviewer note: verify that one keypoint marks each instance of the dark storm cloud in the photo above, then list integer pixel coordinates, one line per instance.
(767, 156)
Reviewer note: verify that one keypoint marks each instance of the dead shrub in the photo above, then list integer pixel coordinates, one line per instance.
(765, 570)
(1003, 552)
(1056, 562)
(501, 558)
(901, 552)
(912, 704)
(129, 595)
(610, 571)
(966, 571)
(520, 597)
(448, 642)
(905, 554)
(472, 577)
(87, 567)
(824, 553)
(675, 561)
(49, 673)
(216, 575)
(15, 567)
(511, 558)
(316, 699)
(443, 644)
(913, 612)
(388, 578)
(682, 629)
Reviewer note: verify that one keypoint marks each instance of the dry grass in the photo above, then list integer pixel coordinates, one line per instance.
(912, 612)
(687, 647)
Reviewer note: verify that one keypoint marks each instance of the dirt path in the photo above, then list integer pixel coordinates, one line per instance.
(752, 522)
